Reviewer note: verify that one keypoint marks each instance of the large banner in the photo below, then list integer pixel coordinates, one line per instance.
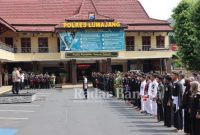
(92, 41)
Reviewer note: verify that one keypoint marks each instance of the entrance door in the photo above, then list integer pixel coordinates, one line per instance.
(85, 69)
(116, 68)
(147, 66)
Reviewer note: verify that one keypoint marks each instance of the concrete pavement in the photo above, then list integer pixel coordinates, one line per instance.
(4, 89)
(58, 112)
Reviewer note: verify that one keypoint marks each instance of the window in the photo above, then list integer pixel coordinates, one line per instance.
(146, 43)
(160, 41)
(130, 43)
(43, 45)
(9, 41)
(25, 45)
(58, 44)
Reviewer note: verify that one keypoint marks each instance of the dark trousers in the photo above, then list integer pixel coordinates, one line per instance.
(17, 87)
(195, 123)
(138, 100)
(21, 85)
(168, 116)
(160, 112)
(187, 121)
(178, 118)
(13, 87)
(85, 93)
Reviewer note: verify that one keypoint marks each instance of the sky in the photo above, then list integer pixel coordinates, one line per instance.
(159, 9)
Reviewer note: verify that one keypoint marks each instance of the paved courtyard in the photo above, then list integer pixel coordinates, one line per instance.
(59, 112)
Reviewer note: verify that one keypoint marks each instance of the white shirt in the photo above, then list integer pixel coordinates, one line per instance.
(85, 80)
(175, 99)
(22, 77)
(182, 82)
(142, 87)
(18, 76)
(149, 88)
(154, 89)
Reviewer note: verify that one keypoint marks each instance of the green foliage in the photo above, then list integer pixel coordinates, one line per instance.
(187, 35)
(177, 63)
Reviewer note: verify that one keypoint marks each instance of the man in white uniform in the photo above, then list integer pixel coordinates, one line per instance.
(142, 88)
(153, 95)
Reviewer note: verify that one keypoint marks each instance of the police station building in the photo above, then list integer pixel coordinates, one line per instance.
(81, 36)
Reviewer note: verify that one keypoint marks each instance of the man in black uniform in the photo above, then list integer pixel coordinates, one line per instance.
(177, 101)
(138, 83)
(132, 88)
(159, 100)
(167, 102)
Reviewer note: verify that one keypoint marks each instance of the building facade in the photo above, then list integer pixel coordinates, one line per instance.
(80, 37)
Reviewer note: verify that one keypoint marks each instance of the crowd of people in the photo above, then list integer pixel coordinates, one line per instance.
(22, 80)
(171, 98)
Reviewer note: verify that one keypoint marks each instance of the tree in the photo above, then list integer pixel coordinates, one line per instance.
(185, 34)
(196, 21)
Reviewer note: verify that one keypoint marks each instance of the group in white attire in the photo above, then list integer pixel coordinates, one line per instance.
(149, 104)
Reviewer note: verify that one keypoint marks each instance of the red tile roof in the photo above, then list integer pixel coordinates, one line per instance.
(153, 28)
(7, 25)
(48, 12)
(36, 28)
(87, 6)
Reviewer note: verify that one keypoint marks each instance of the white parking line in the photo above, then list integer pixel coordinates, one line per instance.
(23, 111)
(12, 118)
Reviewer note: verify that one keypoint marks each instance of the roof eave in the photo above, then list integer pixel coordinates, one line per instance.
(6, 24)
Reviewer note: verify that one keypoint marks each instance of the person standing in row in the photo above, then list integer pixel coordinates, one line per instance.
(14, 79)
(146, 96)
(177, 101)
(142, 93)
(195, 108)
(153, 95)
(167, 102)
(160, 96)
(186, 106)
(18, 76)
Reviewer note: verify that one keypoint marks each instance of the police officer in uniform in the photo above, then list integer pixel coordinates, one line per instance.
(167, 102)
(160, 95)
(177, 101)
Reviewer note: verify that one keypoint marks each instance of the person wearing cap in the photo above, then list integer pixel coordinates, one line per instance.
(177, 101)
(160, 96)
(167, 102)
